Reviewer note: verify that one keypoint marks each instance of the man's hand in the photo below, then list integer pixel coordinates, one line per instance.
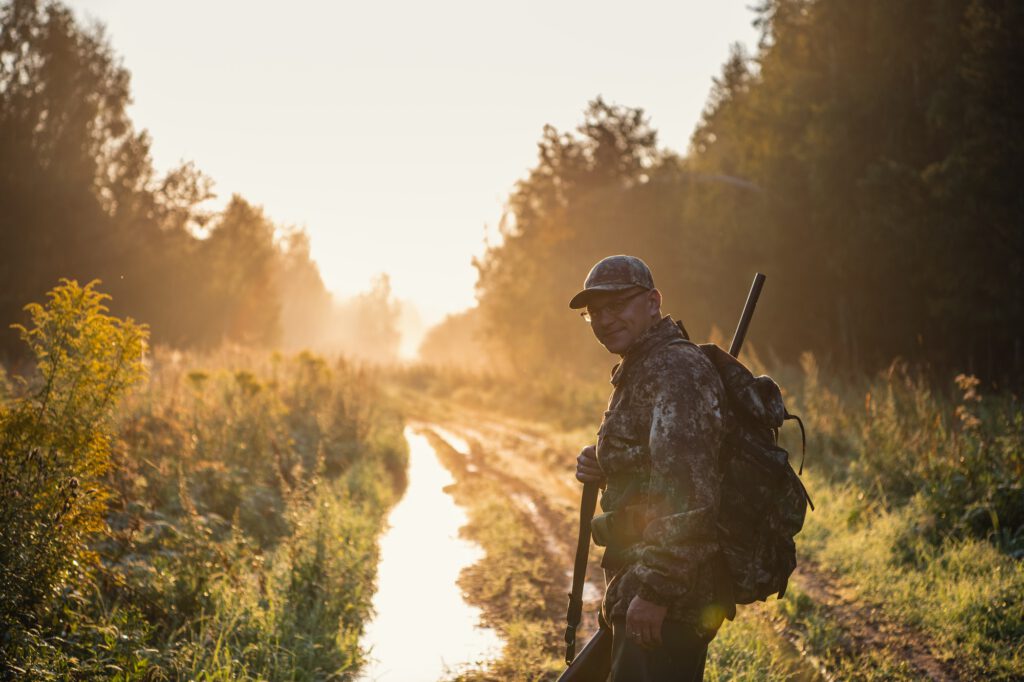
(587, 468)
(643, 622)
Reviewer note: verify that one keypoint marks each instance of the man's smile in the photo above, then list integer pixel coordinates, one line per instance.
(606, 334)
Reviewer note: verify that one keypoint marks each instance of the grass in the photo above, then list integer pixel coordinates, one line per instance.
(242, 496)
(963, 594)
(749, 650)
(833, 647)
(920, 511)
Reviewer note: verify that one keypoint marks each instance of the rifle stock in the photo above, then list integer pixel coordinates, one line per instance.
(588, 504)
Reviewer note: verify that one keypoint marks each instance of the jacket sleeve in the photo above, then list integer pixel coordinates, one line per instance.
(687, 429)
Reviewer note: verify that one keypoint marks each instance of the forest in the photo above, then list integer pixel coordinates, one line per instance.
(864, 159)
(201, 444)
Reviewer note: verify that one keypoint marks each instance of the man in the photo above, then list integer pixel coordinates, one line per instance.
(657, 459)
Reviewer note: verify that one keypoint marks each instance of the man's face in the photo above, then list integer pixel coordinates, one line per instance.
(618, 318)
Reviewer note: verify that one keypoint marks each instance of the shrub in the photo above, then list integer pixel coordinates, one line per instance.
(55, 433)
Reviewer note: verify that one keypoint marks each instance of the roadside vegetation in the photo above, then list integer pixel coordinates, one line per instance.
(170, 516)
(921, 512)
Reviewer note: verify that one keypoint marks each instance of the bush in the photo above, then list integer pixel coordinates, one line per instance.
(56, 436)
(960, 459)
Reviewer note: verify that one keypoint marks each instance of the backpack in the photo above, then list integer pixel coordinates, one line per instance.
(763, 502)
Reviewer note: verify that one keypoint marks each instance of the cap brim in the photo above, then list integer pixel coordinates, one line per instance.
(581, 299)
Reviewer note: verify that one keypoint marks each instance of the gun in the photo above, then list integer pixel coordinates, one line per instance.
(594, 661)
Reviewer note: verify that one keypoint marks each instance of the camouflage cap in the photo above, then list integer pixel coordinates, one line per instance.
(614, 273)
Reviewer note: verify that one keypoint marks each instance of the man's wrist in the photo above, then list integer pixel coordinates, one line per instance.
(648, 593)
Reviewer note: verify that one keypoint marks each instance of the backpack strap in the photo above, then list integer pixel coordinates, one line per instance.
(803, 454)
(803, 439)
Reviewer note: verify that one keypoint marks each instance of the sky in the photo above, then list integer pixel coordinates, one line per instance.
(392, 132)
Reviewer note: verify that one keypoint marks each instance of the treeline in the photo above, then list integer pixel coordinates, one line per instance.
(80, 198)
(865, 157)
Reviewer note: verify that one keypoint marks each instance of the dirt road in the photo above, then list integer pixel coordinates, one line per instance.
(534, 468)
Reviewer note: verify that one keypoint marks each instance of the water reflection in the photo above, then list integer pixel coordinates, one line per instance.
(458, 443)
(423, 627)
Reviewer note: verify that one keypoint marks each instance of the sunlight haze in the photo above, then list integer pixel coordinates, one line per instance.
(393, 132)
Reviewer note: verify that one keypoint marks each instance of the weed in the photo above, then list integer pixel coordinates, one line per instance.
(226, 513)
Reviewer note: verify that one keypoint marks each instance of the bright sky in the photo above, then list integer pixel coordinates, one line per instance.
(393, 131)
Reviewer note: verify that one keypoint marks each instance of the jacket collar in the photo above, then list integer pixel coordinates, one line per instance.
(659, 333)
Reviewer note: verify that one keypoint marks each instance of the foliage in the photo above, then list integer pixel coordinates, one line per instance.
(366, 325)
(920, 508)
(79, 197)
(873, 131)
(56, 438)
(960, 462)
(457, 342)
(962, 593)
(559, 217)
(232, 531)
(863, 158)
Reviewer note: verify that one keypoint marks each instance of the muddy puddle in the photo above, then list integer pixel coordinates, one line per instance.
(423, 629)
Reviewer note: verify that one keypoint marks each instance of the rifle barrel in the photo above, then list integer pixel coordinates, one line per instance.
(748, 312)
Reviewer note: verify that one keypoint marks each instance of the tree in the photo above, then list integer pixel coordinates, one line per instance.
(570, 208)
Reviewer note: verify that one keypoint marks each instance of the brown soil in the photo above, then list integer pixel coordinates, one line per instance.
(867, 627)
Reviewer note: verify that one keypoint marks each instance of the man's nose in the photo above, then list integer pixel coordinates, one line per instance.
(600, 324)
(602, 316)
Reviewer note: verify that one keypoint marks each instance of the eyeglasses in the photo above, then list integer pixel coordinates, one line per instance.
(614, 307)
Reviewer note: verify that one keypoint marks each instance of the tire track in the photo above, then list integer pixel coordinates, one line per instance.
(497, 449)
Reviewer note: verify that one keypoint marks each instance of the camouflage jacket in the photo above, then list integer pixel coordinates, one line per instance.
(658, 445)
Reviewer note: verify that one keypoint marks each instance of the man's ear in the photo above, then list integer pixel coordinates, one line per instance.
(655, 302)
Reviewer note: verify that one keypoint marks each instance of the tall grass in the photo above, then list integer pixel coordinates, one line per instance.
(921, 494)
(242, 497)
(955, 453)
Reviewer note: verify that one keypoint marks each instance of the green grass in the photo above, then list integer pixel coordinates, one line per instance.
(749, 650)
(241, 493)
(963, 594)
(921, 512)
(833, 646)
